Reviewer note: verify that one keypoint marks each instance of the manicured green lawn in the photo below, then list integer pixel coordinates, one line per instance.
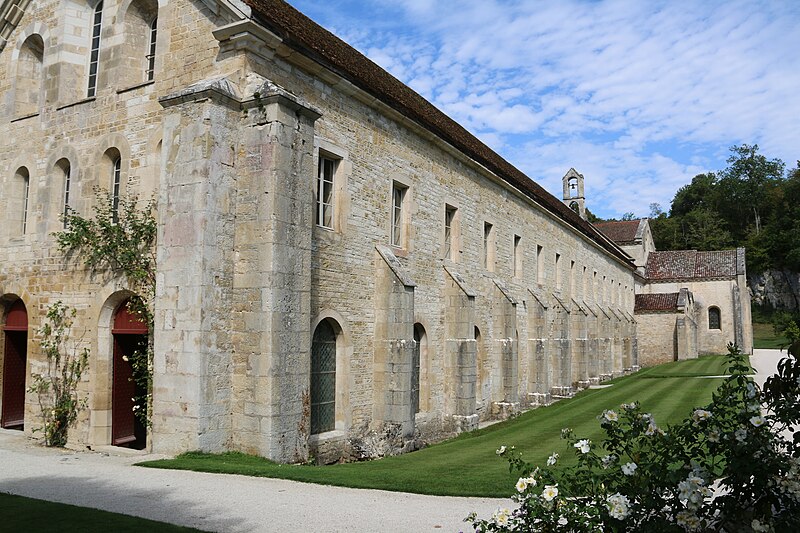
(467, 465)
(764, 336)
(27, 514)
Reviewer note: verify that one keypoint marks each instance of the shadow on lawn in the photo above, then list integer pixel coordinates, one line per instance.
(152, 504)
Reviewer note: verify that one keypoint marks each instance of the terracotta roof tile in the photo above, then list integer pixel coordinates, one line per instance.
(664, 301)
(690, 264)
(304, 35)
(621, 232)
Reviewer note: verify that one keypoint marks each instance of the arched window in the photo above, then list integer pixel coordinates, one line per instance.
(94, 53)
(29, 76)
(420, 347)
(139, 47)
(151, 52)
(116, 164)
(323, 378)
(21, 198)
(66, 170)
(714, 320)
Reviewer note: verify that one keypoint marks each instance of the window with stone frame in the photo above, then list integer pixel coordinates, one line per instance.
(398, 216)
(19, 202)
(539, 264)
(66, 171)
(326, 192)
(451, 233)
(113, 164)
(138, 50)
(323, 378)
(517, 256)
(94, 51)
(714, 318)
(28, 83)
(151, 51)
(489, 247)
(419, 353)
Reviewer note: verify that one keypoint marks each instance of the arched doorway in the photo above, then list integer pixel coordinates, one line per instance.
(130, 335)
(15, 355)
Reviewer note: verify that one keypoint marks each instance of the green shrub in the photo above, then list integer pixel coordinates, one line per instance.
(727, 467)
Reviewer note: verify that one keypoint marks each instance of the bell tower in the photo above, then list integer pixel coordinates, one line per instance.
(573, 197)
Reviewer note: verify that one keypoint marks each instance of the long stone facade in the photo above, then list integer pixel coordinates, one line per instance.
(343, 271)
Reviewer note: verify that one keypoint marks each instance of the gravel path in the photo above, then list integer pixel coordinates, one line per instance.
(214, 502)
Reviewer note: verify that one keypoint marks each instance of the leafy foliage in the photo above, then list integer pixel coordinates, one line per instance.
(727, 467)
(753, 202)
(57, 390)
(120, 240)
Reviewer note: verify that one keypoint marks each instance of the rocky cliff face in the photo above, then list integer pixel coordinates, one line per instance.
(778, 288)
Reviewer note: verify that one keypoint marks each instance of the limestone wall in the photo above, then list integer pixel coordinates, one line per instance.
(245, 274)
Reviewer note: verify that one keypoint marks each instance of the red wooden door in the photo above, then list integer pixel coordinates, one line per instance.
(130, 335)
(14, 358)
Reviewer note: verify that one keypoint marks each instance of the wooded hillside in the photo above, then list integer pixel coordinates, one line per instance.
(754, 203)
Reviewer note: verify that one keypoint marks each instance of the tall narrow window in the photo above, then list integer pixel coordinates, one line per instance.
(488, 247)
(65, 168)
(29, 76)
(517, 256)
(419, 339)
(398, 200)
(115, 188)
(558, 271)
(714, 318)
(584, 281)
(26, 188)
(94, 55)
(450, 241)
(326, 172)
(539, 265)
(323, 378)
(572, 278)
(151, 52)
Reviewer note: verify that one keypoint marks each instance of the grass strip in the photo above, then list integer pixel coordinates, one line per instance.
(467, 465)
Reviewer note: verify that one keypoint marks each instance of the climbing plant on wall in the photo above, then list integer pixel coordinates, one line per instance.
(57, 387)
(119, 241)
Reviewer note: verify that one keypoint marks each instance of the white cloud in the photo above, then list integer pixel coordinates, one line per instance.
(638, 96)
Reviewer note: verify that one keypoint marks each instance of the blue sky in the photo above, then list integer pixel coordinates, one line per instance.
(638, 96)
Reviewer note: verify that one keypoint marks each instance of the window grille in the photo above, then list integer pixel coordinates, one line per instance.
(714, 319)
(323, 379)
(415, 365)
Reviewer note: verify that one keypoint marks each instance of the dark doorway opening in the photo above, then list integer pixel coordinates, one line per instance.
(130, 336)
(15, 355)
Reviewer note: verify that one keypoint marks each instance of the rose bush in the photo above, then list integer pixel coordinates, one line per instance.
(730, 466)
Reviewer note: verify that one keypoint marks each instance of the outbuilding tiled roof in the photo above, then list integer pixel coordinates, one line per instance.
(664, 301)
(691, 264)
(302, 34)
(621, 232)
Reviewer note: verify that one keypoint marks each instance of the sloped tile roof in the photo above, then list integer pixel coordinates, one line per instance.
(690, 264)
(663, 301)
(302, 34)
(621, 232)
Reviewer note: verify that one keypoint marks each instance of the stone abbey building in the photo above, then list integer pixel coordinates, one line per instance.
(343, 271)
